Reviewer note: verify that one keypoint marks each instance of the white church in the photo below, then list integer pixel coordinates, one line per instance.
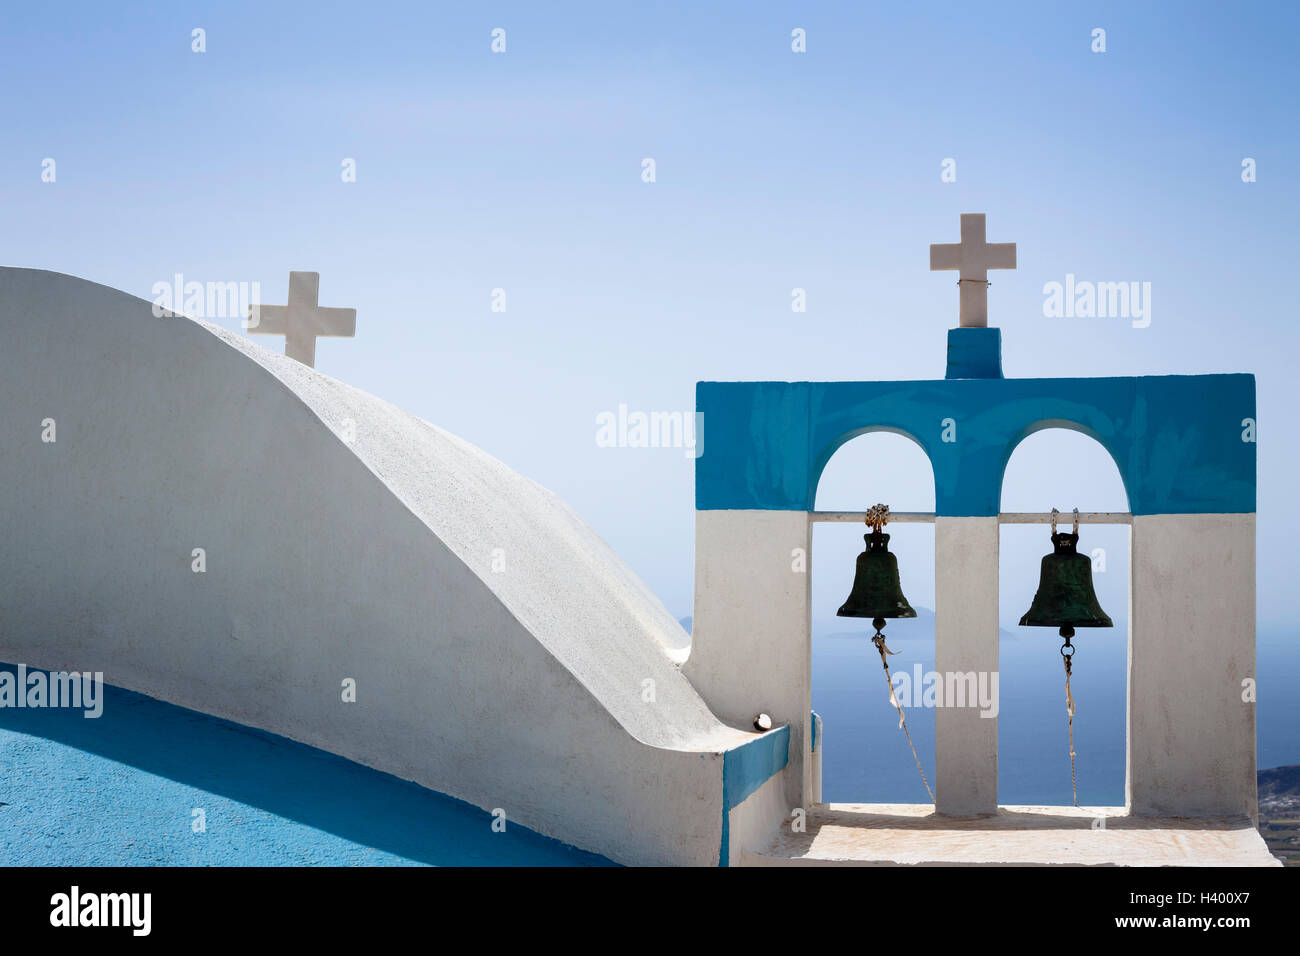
(349, 544)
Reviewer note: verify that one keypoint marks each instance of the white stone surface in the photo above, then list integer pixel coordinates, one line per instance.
(965, 641)
(373, 560)
(845, 834)
(755, 821)
(303, 319)
(1191, 735)
(751, 650)
(973, 258)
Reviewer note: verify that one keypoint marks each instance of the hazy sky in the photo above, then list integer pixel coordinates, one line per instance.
(822, 170)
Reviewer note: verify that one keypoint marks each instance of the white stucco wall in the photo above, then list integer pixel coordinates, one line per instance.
(756, 820)
(1191, 733)
(965, 641)
(750, 650)
(521, 689)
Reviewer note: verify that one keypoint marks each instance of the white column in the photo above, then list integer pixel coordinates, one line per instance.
(1191, 730)
(965, 641)
(751, 646)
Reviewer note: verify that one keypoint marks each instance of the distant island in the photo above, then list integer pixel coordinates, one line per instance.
(1279, 812)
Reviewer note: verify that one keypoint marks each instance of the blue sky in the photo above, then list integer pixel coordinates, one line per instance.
(774, 170)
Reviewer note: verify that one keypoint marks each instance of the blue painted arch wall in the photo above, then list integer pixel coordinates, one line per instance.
(823, 459)
(819, 465)
(1176, 439)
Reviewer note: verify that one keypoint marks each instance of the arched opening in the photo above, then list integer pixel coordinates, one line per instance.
(865, 756)
(1062, 468)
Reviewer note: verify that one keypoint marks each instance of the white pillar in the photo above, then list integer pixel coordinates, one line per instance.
(1191, 732)
(965, 640)
(751, 643)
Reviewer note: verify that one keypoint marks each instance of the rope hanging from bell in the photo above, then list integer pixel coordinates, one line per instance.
(879, 641)
(1067, 651)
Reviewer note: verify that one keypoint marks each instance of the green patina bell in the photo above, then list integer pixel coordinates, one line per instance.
(877, 592)
(1065, 597)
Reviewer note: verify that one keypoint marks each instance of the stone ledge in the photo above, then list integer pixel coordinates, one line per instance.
(883, 834)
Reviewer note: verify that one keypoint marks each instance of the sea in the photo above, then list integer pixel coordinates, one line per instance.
(866, 759)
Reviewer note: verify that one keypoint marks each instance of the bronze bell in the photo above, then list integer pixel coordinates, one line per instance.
(877, 592)
(1065, 597)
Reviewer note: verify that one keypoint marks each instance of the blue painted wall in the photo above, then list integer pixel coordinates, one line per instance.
(121, 789)
(1177, 439)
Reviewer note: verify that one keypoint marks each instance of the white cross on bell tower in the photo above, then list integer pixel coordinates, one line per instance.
(302, 320)
(973, 257)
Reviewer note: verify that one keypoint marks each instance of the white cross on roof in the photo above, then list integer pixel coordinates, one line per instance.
(302, 320)
(973, 257)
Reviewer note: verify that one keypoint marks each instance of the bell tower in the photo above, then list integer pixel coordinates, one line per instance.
(1189, 471)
